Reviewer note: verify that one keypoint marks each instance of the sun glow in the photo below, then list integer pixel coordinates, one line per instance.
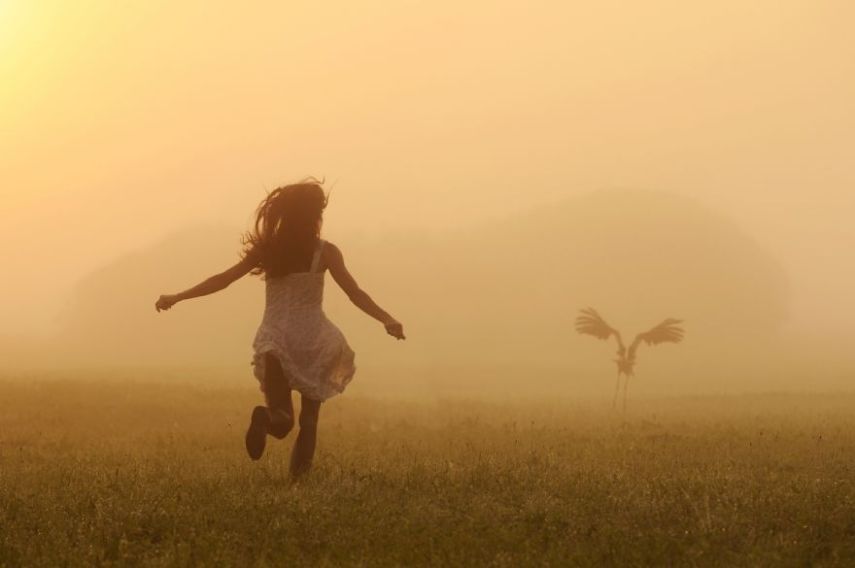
(15, 20)
(11, 20)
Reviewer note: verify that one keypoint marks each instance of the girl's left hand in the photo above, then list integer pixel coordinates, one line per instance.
(165, 302)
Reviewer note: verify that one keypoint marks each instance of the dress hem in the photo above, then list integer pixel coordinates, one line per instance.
(296, 381)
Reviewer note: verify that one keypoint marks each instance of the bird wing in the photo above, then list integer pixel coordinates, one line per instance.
(668, 331)
(591, 323)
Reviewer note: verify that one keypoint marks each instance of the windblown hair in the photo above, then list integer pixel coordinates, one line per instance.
(287, 228)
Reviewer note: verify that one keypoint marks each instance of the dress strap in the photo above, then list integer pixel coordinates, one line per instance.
(316, 259)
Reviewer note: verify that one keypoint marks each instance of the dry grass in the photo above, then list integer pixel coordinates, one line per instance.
(155, 474)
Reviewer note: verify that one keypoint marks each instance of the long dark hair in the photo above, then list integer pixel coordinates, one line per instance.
(287, 228)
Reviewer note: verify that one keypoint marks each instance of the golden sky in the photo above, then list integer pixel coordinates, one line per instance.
(122, 122)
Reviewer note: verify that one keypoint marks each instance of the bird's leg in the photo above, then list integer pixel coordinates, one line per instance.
(625, 385)
(617, 390)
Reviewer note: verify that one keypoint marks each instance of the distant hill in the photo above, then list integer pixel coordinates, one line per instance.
(111, 316)
(499, 297)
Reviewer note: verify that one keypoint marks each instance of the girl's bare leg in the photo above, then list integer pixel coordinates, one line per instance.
(277, 418)
(277, 395)
(304, 447)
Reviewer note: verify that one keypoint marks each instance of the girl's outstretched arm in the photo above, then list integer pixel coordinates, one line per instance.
(335, 263)
(209, 286)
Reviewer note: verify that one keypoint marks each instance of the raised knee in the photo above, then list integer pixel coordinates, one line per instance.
(281, 423)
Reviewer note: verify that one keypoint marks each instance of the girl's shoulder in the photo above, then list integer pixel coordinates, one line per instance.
(330, 254)
(329, 248)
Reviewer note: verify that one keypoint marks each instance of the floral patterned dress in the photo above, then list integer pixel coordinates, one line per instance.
(313, 353)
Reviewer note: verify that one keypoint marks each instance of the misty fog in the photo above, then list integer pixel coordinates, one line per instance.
(495, 167)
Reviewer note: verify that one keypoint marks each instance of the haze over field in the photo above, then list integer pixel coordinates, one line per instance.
(497, 167)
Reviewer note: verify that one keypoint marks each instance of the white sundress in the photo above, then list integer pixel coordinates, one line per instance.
(313, 353)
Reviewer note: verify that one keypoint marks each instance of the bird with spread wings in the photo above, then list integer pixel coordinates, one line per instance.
(591, 323)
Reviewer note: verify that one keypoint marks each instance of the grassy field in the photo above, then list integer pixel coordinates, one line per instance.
(155, 474)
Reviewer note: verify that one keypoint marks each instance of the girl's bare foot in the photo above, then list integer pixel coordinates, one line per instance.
(256, 434)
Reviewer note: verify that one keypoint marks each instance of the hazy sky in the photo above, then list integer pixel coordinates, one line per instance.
(122, 122)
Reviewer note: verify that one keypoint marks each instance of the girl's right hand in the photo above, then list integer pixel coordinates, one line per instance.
(395, 329)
